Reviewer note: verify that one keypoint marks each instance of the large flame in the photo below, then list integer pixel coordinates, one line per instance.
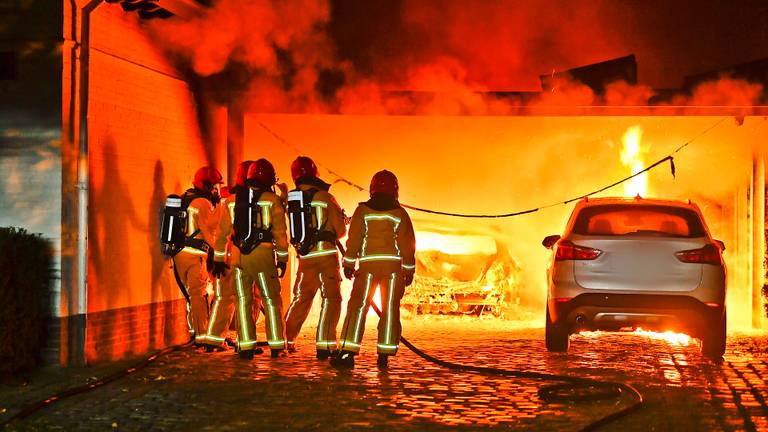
(632, 156)
(455, 244)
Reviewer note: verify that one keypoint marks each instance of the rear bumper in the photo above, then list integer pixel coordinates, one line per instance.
(592, 311)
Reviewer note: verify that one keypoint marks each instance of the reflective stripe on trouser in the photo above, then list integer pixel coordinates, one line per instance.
(194, 276)
(223, 309)
(259, 267)
(389, 278)
(314, 273)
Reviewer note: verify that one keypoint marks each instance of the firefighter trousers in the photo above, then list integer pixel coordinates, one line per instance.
(192, 273)
(388, 277)
(223, 309)
(259, 267)
(313, 274)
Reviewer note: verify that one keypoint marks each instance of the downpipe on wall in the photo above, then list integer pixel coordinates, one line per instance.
(82, 159)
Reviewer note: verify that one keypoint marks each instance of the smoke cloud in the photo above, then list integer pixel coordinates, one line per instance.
(275, 56)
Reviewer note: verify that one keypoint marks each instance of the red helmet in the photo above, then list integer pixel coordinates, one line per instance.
(262, 172)
(242, 172)
(384, 182)
(303, 167)
(206, 177)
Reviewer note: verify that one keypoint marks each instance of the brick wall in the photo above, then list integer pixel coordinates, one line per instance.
(143, 144)
(135, 330)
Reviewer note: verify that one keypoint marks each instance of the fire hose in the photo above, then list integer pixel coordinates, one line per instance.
(572, 389)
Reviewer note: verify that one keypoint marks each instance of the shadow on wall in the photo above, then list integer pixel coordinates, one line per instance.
(161, 331)
(112, 220)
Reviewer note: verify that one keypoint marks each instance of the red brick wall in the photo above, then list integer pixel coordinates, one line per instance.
(133, 331)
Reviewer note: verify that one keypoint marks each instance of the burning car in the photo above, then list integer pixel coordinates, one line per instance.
(463, 273)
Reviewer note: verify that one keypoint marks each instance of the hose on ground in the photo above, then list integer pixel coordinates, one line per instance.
(572, 389)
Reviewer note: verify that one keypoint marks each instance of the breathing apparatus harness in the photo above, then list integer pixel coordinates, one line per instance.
(249, 229)
(305, 229)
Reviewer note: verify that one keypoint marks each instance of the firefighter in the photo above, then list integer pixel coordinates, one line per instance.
(321, 229)
(189, 264)
(382, 241)
(260, 237)
(223, 307)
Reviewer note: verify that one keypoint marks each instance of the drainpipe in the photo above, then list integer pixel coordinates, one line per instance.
(82, 161)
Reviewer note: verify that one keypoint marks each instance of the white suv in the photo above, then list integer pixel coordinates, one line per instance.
(633, 262)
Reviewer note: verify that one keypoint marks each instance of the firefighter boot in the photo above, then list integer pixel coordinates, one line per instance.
(345, 360)
(246, 354)
(277, 353)
(381, 363)
(214, 348)
(323, 354)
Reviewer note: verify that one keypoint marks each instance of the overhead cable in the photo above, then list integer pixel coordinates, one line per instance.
(669, 157)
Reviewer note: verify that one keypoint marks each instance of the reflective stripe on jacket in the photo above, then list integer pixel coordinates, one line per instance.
(273, 217)
(330, 217)
(381, 236)
(203, 218)
(226, 220)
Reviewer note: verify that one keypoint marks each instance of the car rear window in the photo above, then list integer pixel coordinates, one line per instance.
(618, 219)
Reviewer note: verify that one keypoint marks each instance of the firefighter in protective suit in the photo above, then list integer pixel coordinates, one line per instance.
(318, 258)
(190, 263)
(224, 254)
(381, 239)
(260, 236)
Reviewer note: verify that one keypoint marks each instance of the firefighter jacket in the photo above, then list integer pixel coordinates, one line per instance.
(329, 215)
(224, 230)
(202, 219)
(381, 231)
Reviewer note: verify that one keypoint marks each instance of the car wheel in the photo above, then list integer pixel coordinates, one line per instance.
(555, 336)
(713, 342)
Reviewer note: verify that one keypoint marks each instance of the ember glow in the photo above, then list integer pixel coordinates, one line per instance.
(632, 156)
(669, 336)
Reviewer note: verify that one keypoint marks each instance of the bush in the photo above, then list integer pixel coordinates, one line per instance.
(25, 300)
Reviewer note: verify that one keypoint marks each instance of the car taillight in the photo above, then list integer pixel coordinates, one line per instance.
(566, 250)
(709, 254)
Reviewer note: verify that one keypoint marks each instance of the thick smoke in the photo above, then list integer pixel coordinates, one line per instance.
(273, 56)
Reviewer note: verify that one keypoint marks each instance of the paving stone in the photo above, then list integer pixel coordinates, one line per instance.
(190, 389)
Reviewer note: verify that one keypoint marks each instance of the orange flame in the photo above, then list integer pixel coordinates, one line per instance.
(670, 337)
(454, 243)
(632, 156)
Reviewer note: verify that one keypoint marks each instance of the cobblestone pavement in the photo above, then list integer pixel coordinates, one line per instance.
(192, 390)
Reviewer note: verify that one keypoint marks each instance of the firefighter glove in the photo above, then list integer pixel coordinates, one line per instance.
(349, 273)
(408, 278)
(281, 266)
(219, 269)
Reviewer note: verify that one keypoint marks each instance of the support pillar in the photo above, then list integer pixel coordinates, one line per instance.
(758, 239)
